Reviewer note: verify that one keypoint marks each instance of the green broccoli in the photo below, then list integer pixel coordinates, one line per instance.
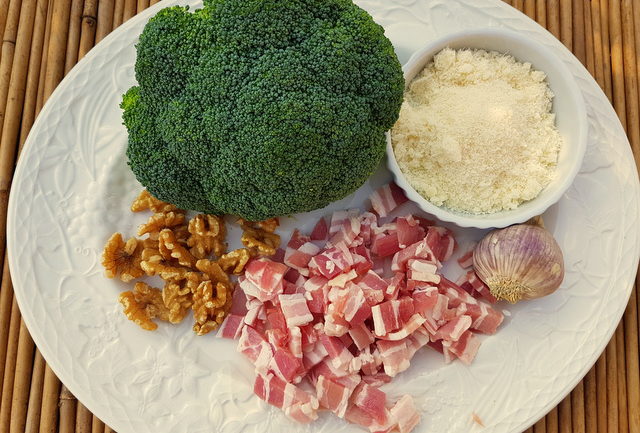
(260, 108)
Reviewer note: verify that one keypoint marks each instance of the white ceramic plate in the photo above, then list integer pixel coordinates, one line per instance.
(72, 189)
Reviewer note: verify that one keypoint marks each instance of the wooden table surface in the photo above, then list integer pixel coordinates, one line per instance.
(43, 39)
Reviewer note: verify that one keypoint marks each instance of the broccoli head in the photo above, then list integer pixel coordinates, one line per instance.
(260, 108)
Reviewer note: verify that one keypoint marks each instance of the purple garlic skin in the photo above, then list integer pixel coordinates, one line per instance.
(519, 262)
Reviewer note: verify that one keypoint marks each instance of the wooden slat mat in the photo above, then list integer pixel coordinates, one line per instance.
(43, 39)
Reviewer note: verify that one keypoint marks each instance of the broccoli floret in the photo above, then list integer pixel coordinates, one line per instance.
(261, 108)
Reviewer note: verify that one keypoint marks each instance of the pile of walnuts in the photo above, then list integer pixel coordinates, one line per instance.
(191, 258)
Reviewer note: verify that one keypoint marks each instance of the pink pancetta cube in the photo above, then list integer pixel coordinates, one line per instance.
(386, 199)
(295, 309)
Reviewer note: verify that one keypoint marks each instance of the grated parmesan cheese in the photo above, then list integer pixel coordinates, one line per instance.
(476, 133)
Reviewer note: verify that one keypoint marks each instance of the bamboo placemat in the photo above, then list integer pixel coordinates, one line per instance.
(43, 39)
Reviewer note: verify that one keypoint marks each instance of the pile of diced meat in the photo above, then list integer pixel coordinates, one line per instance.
(343, 310)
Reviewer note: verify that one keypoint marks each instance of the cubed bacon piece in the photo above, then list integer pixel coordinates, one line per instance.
(406, 330)
(338, 218)
(332, 395)
(342, 279)
(285, 364)
(320, 232)
(441, 242)
(277, 337)
(409, 231)
(385, 244)
(275, 319)
(303, 412)
(266, 276)
(361, 336)
(441, 307)
(295, 341)
(355, 415)
(256, 313)
(416, 340)
(395, 285)
(231, 327)
(353, 305)
(371, 400)
(331, 262)
(299, 252)
(465, 348)
(466, 260)
(370, 362)
(373, 287)
(377, 380)
(238, 302)
(316, 292)
(473, 285)
(278, 256)
(386, 199)
(313, 356)
(362, 261)
(350, 381)
(485, 318)
(326, 368)
(424, 299)
(334, 324)
(404, 414)
(386, 317)
(293, 400)
(346, 232)
(455, 294)
(368, 221)
(454, 328)
(405, 309)
(395, 358)
(339, 355)
(250, 343)
(295, 309)
(419, 250)
(422, 270)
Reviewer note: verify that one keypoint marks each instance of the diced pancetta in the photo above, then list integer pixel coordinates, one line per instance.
(285, 364)
(418, 250)
(454, 328)
(386, 199)
(339, 355)
(346, 232)
(332, 395)
(295, 341)
(385, 244)
(423, 271)
(367, 222)
(465, 348)
(371, 400)
(299, 252)
(238, 302)
(441, 242)
(331, 262)
(485, 318)
(250, 343)
(361, 335)
(395, 285)
(338, 218)
(295, 309)
(395, 358)
(320, 232)
(373, 287)
(407, 328)
(313, 356)
(409, 231)
(404, 414)
(466, 260)
(386, 317)
(266, 276)
(231, 327)
(473, 285)
(294, 401)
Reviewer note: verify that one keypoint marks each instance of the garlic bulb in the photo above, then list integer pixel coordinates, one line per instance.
(519, 262)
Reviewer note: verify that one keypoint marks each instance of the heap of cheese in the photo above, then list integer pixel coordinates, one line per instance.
(476, 133)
